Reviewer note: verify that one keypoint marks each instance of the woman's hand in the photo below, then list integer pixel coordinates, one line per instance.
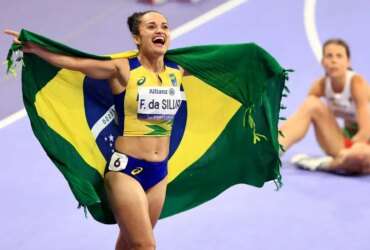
(354, 160)
(14, 34)
(99, 69)
(27, 46)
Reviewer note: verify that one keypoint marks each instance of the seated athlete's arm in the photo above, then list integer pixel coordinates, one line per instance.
(359, 93)
(317, 88)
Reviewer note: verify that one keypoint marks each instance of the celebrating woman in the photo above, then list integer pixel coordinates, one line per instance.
(135, 178)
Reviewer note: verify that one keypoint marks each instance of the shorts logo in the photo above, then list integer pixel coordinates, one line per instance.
(141, 80)
(137, 171)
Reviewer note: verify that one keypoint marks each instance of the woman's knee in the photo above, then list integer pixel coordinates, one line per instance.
(143, 244)
(315, 106)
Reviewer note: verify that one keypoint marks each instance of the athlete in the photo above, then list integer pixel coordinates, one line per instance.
(347, 96)
(147, 94)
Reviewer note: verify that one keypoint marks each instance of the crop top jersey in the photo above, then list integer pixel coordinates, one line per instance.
(341, 104)
(150, 101)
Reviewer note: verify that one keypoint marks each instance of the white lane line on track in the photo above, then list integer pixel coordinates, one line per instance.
(13, 118)
(310, 28)
(208, 16)
(176, 33)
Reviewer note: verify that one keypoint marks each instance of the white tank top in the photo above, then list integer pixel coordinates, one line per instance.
(341, 104)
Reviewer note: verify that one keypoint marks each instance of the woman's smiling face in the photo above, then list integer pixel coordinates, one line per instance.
(154, 34)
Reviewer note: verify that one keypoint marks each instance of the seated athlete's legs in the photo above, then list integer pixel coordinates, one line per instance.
(296, 127)
(327, 131)
(156, 196)
(130, 207)
(314, 111)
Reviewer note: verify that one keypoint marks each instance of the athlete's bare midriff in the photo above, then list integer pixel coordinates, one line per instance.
(149, 148)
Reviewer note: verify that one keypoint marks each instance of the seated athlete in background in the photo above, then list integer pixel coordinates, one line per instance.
(347, 96)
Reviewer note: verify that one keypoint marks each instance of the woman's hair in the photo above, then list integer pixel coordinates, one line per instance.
(134, 20)
(340, 42)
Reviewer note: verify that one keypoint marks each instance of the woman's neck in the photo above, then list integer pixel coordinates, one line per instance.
(338, 83)
(153, 63)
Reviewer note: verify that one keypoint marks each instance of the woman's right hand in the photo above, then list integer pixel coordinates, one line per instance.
(98, 69)
(27, 46)
(353, 160)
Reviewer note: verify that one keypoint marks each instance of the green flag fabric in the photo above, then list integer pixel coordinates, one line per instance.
(225, 133)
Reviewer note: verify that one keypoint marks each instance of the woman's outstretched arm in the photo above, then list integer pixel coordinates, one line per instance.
(98, 69)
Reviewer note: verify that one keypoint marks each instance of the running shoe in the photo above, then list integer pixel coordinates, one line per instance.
(310, 163)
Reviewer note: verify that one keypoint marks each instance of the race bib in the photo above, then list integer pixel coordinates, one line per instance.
(118, 162)
(158, 103)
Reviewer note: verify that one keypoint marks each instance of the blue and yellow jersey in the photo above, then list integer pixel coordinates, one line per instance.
(149, 103)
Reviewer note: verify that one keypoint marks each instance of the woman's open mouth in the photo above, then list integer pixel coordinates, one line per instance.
(159, 41)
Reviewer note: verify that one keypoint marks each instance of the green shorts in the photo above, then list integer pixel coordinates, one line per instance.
(349, 132)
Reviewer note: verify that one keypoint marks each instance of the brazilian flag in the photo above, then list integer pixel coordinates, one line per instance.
(225, 133)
